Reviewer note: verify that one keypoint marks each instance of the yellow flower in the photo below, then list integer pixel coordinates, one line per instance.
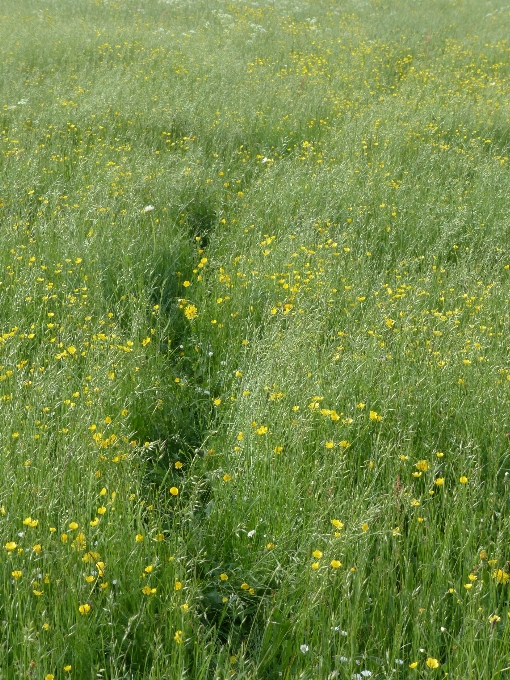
(317, 554)
(375, 416)
(329, 444)
(262, 429)
(84, 608)
(174, 491)
(79, 543)
(101, 510)
(364, 527)
(10, 545)
(178, 636)
(344, 444)
(463, 480)
(138, 538)
(147, 590)
(73, 525)
(37, 548)
(501, 576)
(483, 554)
(315, 565)
(37, 592)
(177, 585)
(422, 465)
(270, 546)
(227, 478)
(337, 523)
(223, 577)
(49, 676)
(413, 665)
(67, 668)
(16, 574)
(335, 564)
(177, 465)
(432, 663)
(190, 312)
(184, 607)
(439, 481)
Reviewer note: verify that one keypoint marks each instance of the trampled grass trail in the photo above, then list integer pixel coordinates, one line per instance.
(254, 339)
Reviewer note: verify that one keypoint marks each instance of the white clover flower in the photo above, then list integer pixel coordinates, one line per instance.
(148, 208)
(304, 648)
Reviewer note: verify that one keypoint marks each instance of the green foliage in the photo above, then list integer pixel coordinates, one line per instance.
(254, 378)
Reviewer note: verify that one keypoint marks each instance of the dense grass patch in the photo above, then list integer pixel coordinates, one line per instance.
(254, 339)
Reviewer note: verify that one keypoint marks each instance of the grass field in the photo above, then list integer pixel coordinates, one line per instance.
(254, 339)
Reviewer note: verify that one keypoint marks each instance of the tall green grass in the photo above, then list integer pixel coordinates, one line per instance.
(254, 325)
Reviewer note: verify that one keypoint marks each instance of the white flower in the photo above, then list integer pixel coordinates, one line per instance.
(399, 661)
(366, 674)
(148, 208)
(251, 533)
(337, 629)
(304, 648)
(343, 659)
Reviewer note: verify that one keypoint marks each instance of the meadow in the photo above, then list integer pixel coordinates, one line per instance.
(254, 339)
